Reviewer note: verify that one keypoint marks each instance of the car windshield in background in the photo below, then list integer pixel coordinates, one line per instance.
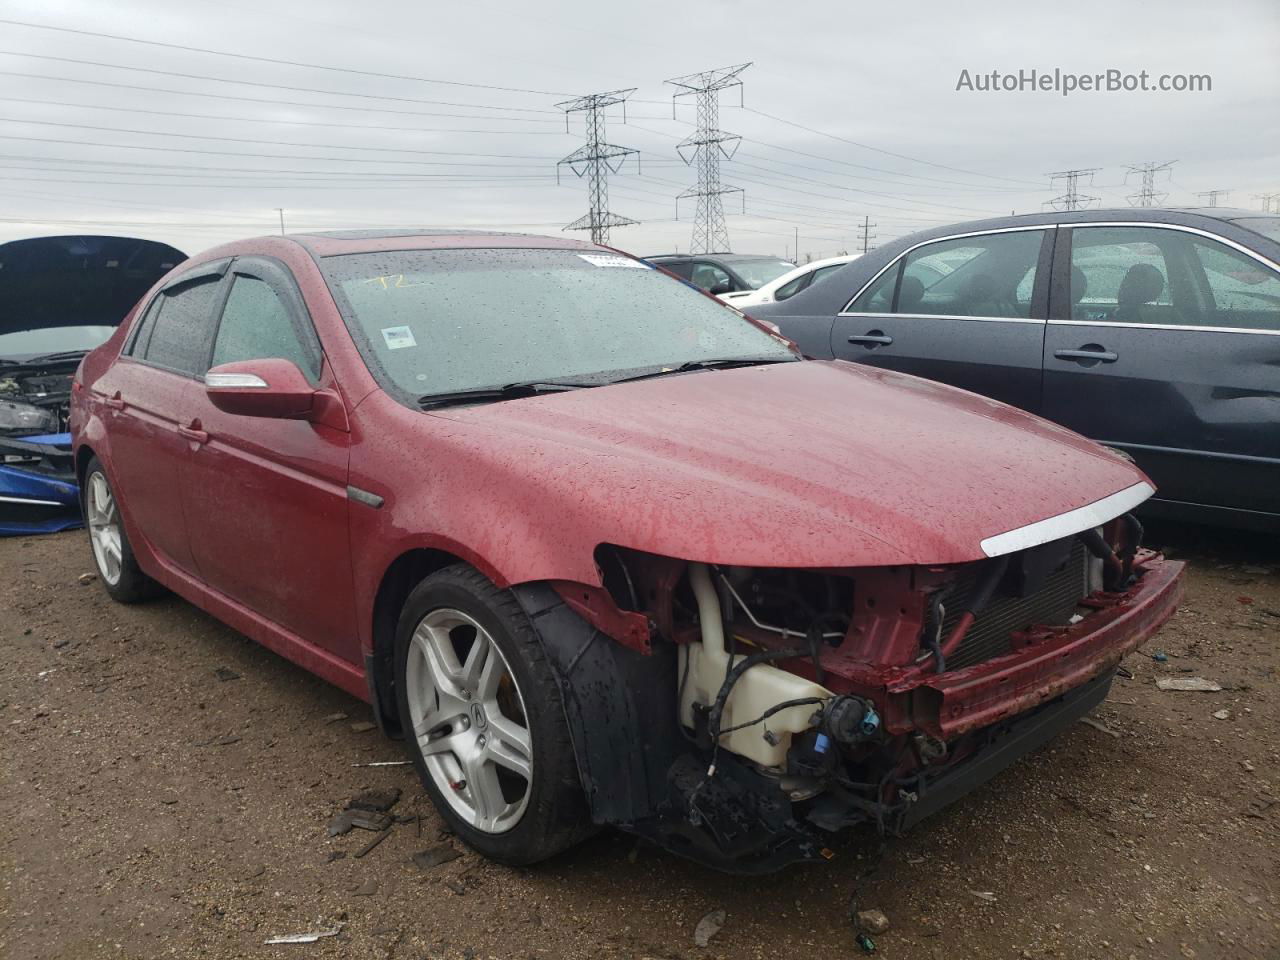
(759, 272)
(23, 344)
(1267, 226)
(442, 321)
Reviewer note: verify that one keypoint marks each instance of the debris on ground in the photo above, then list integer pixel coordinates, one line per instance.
(368, 820)
(1248, 767)
(226, 673)
(872, 921)
(368, 847)
(1222, 715)
(708, 927)
(1100, 726)
(85, 578)
(384, 763)
(334, 855)
(60, 643)
(366, 889)
(363, 726)
(333, 717)
(1189, 684)
(1160, 657)
(379, 801)
(305, 937)
(986, 896)
(340, 824)
(435, 856)
(866, 943)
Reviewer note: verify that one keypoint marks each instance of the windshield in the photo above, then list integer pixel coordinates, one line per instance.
(437, 321)
(759, 272)
(22, 344)
(1267, 226)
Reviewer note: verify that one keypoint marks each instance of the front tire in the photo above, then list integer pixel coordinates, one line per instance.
(483, 719)
(112, 554)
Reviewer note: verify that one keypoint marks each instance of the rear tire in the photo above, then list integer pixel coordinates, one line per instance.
(483, 720)
(112, 554)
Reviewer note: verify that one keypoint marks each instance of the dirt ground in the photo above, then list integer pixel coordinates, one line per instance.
(153, 809)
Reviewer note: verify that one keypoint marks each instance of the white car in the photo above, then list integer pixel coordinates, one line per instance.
(791, 283)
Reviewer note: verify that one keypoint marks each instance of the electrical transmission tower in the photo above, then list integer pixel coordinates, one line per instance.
(1147, 195)
(1071, 198)
(1213, 196)
(706, 147)
(867, 235)
(1268, 199)
(595, 160)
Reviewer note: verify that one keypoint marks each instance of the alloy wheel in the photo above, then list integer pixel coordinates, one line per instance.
(469, 720)
(104, 528)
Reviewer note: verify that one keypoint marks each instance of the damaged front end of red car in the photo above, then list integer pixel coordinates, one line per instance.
(740, 716)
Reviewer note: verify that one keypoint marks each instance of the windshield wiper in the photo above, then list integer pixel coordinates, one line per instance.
(724, 363)
(509, 391)
(54, 357)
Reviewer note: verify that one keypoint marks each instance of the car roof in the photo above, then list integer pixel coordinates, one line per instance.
(338, 242)
(1187, 216)
(711, 256)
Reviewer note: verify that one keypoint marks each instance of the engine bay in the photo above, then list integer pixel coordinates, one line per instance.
(35, 400)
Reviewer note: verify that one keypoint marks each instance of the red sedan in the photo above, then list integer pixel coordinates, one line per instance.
(602, 550)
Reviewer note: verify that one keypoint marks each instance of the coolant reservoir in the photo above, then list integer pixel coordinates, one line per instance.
(757, 690)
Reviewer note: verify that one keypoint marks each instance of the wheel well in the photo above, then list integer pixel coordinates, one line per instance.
(406, 572)
(83, 456)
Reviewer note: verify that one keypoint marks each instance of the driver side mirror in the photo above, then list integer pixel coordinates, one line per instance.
(273, 388)
(721, 286)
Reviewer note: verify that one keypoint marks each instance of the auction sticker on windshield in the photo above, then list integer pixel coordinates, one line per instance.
(397, 338)
(605, 260)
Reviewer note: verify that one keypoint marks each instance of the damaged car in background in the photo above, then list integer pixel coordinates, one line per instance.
(570, 556)
(59, 298)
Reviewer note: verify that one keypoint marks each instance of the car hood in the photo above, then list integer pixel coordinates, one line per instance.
(77, 281)
(815, 463)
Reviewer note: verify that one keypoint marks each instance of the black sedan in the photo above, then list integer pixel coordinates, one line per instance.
(1156, 332)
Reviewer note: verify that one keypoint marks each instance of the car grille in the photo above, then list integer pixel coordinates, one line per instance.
(1053, 604)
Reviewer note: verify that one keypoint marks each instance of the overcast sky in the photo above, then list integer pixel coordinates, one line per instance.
(889, 135)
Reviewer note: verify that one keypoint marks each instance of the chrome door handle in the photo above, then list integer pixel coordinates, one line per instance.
(872, 339)
(194, 433)
(1105, 356)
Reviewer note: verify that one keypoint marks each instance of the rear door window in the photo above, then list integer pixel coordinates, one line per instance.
(181, 332)
(1122, 275)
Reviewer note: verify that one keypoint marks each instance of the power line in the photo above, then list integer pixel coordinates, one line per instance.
(263, 156)
(705, 147)
(271, 86)
(1213, 196)
(888, 153)
(280, 62)
(595, 160)
(1071, 198)
(1268, 199)
(363, 108)
(272, 120)
(1147, 195)
(271, 143)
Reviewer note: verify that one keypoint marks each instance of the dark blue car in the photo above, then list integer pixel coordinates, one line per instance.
(59, 298)
(1156, 332)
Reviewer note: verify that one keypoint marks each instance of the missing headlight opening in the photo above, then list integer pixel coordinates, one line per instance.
(812, 700)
